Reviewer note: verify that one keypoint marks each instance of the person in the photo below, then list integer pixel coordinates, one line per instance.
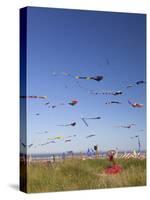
(63, 156)
(111, 155)
(54, 159)
(113, 168)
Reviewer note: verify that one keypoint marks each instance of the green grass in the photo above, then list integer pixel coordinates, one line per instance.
(88, 174)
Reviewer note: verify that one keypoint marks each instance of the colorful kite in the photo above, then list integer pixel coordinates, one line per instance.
(96, 78)
(48, 143)
(115, 93)
(33, 97)
(135, 105)
(72, 103)
(58, 137)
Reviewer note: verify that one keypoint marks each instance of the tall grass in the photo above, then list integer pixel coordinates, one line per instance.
(88, 174)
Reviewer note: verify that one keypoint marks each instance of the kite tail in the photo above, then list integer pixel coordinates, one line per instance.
(82, 77)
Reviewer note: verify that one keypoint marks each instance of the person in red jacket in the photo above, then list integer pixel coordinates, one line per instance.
(113, 168)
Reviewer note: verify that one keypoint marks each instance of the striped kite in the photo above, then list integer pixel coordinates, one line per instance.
(33, 97)
(135, 105)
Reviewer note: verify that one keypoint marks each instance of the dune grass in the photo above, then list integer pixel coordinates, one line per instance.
(88, 174)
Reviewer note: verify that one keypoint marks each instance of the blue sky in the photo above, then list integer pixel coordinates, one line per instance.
(80, 43)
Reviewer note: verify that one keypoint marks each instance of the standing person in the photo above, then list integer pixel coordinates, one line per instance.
(54, 159)
(96, 150)
(63, 156)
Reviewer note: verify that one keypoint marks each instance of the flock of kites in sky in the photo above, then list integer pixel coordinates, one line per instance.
(74, 102)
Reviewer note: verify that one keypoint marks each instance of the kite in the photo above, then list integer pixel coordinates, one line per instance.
(44, 144)
(70, 136)
(84, 119)
(24, 145)
(135, 105)
(52, 141)
(47, 103)
(113, 102)
(115, 93)
(48, 143)
(107, 61)
(46, 131)
(141, 130)
(42, 132)
(96, 78)
(33, 97)
(127, 126)
(139, 143)
(129, 86)
(137, 83)
(92, 135)
(58, 137)
(72, 124)
(140, 82)
(72, 103)
(67, 140)
(66, 74)
(61, 104)
(89, 153)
